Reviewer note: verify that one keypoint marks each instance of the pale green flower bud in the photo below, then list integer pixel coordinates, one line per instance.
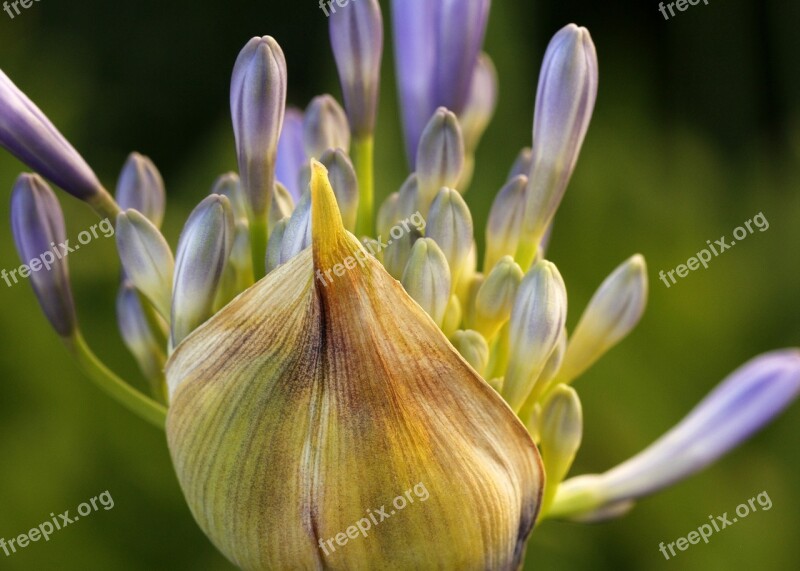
(612, 313)
(297, 235)
(440, 155)
(282, 205)
(325, 127)
(387, 214)
(561, 431)
(537, 319)
(496, 296)
(146, 258)
(427, 278)
(230, 186)
(452, 317)
(141, 187)
(275, 245)
(139, 337)
(238, 274)
(504, 227)
(203, 250)
(474, 348)
(345, 184)
(450, 225)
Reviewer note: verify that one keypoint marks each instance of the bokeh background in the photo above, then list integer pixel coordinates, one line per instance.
(697, 129)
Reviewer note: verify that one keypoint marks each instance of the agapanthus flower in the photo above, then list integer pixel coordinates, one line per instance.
(310, 357)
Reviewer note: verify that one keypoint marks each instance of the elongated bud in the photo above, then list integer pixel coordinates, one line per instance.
(461, 27)
(275, 245)
(742, 404)
(258, 103)
(203, 250)
(614, 310)
(345, 184)
(564, 105)
(522, 164)
(38, 226)
(561, 431)
(141, 188)
(297, 234)
(481, 103)
(263, 424)
(397, 253)
(291, 153)
(238, 274)
(387, 214)
(357, 41)
(29, 135)
(450, 225)
(504, 227)
(496, 296)
(537, 319)
(440, 156)
(138, 336)
(325, 127)
(282, 205)
(408, 201)
(230, 186)
(427, 278)
(474, 348)
(146, 258)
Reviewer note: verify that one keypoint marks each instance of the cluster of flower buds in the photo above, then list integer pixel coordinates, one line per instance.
(314, 358)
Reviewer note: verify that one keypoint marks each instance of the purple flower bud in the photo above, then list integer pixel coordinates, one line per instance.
(741, 405)
(460, 29)
(30, 136)
(325, 127)
(564, 105)
(203, 250)
(357, 41)
(38, 226)
(141, 188)
(258, 103)
(291, 153)
(137, 334)
(437, 43)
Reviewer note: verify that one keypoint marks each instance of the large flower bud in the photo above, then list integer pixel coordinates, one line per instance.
(325, 127)
(258, 104)
(203, 250)
(29, 135)
(307, 404)
(357, 41)
(564, 105)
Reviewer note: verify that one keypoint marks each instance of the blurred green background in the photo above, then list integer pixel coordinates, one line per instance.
(697, 129)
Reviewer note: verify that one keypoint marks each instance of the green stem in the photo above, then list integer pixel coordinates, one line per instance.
(105, 206)
(258, 245)
(363, 160)
(112, 385)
